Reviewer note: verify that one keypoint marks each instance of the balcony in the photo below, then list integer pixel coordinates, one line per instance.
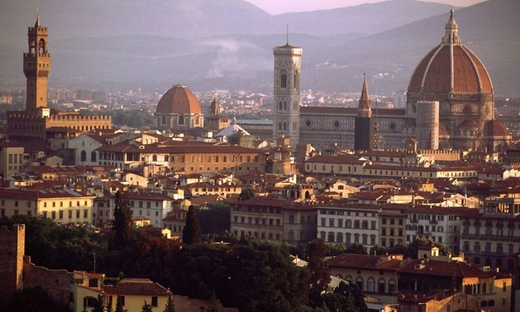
(414, 220)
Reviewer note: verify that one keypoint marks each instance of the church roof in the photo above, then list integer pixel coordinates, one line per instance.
(451, 67)
(178, 100)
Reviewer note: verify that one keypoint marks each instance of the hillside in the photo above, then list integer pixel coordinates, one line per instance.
(117, 57)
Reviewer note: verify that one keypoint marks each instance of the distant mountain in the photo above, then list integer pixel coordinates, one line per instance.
(207, 44)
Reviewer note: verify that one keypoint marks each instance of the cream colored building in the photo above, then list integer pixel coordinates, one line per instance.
(13, 159)
(60, 205)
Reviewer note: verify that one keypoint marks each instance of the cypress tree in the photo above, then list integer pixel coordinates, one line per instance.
(191, 231)
(122, 224)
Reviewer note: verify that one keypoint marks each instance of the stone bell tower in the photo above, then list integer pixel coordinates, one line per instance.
(287, 71)
(36, 67)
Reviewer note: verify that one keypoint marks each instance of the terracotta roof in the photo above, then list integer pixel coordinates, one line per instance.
(178, 100)
(136, 287)
(495, 128)
(468, 123)
(450, 68)
(443, 268)
(377, 262)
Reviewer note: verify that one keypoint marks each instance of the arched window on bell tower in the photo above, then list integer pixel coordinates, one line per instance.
(283, 79)
(296, 80)
(41, 46)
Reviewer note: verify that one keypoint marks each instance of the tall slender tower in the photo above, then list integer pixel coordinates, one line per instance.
(363, 128)
(36, 66)
(287, 70)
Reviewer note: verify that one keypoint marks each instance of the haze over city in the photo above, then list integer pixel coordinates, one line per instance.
(279, 7)
(193, 156)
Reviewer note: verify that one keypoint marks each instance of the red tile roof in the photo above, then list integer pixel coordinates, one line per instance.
(136, 287)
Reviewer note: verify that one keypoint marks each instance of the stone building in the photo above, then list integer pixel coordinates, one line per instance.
(37, 123)
(450, 80)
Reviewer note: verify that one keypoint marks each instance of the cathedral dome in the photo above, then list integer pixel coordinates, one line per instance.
(451, 68)
(178, 100)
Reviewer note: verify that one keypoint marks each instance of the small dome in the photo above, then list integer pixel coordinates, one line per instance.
(494, 128)
(178, 100)
(468, 124)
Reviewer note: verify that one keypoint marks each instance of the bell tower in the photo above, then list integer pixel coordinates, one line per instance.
(287, 71)
(36, 67)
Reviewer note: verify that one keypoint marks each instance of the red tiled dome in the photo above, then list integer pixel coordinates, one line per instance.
(468, 124)
(178, 100)
(451, 67)
(495, 128)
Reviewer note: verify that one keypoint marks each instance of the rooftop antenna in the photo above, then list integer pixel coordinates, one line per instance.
(287, 34)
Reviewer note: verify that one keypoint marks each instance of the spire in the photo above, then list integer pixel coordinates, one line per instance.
(452, 31)
(37, 14)
(364, 107)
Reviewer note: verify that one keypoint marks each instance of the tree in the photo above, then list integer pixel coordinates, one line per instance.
(146, 307)
(216, 219)
(378, 250)
(246, 194)
(34, 299)
(170, 305)
(191, 232)
(214, 304)
(354, 293)
(99, 304)
(357, 248)
(122, 224)
(320, 277)
(119, 305)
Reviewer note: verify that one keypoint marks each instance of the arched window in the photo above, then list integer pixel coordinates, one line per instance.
(93, 156)
(163, 119)
(279, 126)
(284, 105)
(140, 204)
(283, 79)
(466, 110)
(466, 246)
(331, 237)
(359, 282)
(181, 120)
(41, 46)
(339, 237)
(280, 105)
(371, 285)
(348, 238)
(322, 235)
(284, 126)
(83, 156)
(154, 158)
(356, 238)
(296, 79)
(148, 205)
(381, 285)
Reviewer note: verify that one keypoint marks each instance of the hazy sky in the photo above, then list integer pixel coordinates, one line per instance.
(282, 6)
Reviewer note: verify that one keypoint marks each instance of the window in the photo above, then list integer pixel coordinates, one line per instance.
(283, 79)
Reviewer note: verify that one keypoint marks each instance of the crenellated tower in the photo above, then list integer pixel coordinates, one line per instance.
(36, 66)
(287, 71)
